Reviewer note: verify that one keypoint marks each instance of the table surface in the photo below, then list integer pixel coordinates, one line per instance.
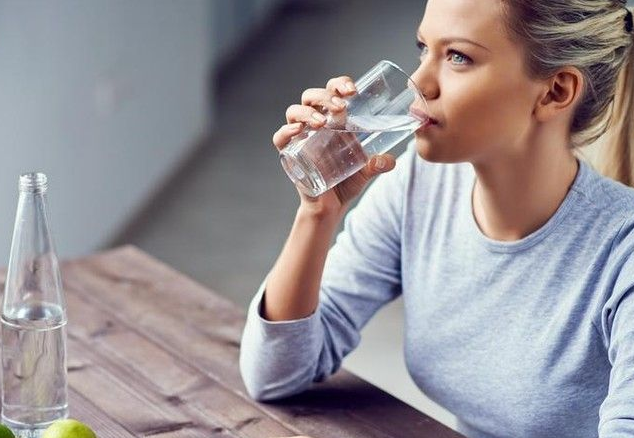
(151, 353)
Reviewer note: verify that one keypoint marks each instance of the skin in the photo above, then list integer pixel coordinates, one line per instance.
(513, 129)
(519, 141)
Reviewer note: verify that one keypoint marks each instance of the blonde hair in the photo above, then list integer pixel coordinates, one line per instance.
(594, 36)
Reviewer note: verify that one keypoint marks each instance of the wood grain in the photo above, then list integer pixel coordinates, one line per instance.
(152, 353)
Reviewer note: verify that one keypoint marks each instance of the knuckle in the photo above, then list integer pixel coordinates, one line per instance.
(332, 83)
(291, 110)
(338, 82)
(310, 93)
(276, 137)
(278, 140)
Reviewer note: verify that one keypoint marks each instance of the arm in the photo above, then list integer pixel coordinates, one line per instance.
(617, 410)
(361, 273)
(299, 268)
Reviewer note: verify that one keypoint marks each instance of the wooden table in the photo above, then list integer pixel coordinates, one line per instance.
(154, 354)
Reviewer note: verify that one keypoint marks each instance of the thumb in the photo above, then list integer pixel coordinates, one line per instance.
(378, 164)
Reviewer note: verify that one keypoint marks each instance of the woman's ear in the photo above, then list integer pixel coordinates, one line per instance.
(561, 93)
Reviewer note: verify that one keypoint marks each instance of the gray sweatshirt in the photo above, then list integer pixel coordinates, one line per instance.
(532, 338)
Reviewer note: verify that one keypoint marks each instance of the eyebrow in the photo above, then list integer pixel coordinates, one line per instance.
(449, 40)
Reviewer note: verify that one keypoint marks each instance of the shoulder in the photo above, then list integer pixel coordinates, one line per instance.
(603, 213)
(605, 197)
(609, 206)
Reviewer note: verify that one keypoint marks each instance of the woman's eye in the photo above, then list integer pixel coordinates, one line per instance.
(455, 57)
(459, 58)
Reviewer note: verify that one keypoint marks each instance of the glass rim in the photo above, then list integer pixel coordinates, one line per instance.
(409, 78)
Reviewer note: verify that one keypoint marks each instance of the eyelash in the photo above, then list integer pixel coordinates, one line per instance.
(421, 46)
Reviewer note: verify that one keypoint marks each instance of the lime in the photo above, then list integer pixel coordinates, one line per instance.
(68, 429)
(5, 432)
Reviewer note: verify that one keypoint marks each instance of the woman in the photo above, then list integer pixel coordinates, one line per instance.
(514, 258)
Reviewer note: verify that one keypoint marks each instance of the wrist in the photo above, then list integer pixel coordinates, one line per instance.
(320, 214)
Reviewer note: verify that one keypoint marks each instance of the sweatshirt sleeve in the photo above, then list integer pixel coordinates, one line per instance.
(617, 410)
(362, 273)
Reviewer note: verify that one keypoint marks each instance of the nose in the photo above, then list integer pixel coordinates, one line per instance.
(426, 79)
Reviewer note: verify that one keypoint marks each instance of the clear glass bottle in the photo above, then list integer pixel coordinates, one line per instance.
(34, 375)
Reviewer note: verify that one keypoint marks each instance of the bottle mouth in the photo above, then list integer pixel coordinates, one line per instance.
(33, 182)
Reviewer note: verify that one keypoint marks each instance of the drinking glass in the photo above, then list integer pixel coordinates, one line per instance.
(375, 119)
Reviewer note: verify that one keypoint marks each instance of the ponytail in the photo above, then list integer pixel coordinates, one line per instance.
(596, 37)
(615, 158)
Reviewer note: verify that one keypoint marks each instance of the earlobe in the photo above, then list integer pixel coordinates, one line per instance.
(563, 91)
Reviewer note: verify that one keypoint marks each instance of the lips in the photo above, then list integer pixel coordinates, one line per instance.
(422, 116)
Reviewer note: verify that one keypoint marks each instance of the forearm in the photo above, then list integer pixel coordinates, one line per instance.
(292, 290)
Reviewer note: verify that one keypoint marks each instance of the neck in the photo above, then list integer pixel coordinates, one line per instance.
(516, 195)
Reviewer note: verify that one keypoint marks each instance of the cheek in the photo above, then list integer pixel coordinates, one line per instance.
(485, 111)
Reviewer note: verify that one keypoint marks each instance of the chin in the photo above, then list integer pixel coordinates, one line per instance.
(431, 151)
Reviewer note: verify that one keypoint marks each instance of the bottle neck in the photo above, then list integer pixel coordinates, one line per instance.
(33, 183)
(33, 277)
(32, 221)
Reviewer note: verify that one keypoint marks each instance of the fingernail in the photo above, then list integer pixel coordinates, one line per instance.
(295, 126)
(338, 101)
(379, 162)
(319, 117)
(350, 86)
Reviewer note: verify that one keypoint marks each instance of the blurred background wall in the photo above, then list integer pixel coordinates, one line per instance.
(108, 98)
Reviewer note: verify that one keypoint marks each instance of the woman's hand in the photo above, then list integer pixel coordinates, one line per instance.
(310, 113)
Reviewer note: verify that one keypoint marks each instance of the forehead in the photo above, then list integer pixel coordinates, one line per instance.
(481, 20)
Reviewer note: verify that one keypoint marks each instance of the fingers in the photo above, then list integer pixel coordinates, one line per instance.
(342, 85)
(305, 114)
(320, 97)
(330, 97)
(315, 100)
(311, 111)
(283, 135)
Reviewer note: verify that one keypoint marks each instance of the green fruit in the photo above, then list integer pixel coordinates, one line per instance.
(68, 429)
(5, 432)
